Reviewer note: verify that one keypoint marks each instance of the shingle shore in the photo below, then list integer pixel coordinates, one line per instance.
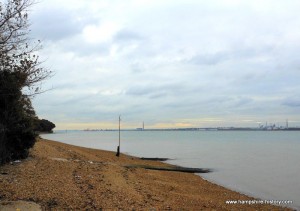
(59, 176)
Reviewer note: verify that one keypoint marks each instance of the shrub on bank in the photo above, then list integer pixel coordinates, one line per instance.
(44, 125)
(16, 119)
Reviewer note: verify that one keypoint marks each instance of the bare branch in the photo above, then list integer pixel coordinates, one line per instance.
(17, 53)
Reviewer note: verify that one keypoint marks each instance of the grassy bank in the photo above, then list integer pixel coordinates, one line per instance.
(62, 176)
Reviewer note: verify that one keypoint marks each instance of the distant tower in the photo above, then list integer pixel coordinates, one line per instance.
(287, 124)
(143, 126)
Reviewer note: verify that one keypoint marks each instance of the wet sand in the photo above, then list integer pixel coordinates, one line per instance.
(61, 176)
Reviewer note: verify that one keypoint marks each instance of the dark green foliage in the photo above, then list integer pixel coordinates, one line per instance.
(43, 125)
(20, 77)
(16, 118)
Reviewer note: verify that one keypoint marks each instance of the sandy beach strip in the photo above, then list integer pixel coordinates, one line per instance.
(60, 176)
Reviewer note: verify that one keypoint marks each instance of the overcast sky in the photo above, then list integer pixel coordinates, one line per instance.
(169, 63)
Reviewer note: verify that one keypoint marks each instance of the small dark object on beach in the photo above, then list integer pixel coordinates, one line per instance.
(118, 151)
(52, 203)
(155, 159)
(175, 168)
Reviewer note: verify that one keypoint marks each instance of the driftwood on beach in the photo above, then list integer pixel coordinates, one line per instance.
(155, 159)
(173, 168)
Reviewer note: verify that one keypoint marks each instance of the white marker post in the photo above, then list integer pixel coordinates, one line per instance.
(118, 149)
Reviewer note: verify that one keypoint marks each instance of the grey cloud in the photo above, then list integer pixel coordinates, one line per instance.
(292, 102)
(209, 59)
(83, 49)
(54, 24)
(140, 90)
(155, 91)
(242, 101)
(126, 35)
(148, 91)
(137, 67)
(233, 53)
(158, 95)
(74, 99)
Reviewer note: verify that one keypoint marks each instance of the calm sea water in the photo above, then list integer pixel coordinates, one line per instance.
(263, 164)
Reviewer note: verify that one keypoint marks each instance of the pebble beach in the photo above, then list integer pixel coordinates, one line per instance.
(59, 176)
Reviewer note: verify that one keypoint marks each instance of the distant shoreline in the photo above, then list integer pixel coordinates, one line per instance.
(196, 129)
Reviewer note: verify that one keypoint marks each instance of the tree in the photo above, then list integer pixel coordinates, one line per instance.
(16, 119)
(16, 50)
(44, 125)
(20, 78)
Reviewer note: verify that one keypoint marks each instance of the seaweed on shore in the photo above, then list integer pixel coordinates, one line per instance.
(174, 168)
(155, 159)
